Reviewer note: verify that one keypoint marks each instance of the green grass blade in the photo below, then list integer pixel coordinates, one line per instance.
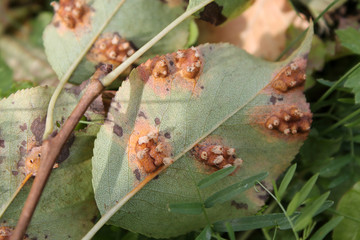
(192, 208)
(309, 211)
(328, 227)
(205, 234)
(215, 177)
(254, 222)
(285, 182)
(230, 231)
(233, 190)
(300, 196)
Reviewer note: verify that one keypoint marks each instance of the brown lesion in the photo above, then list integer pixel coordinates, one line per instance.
(291, 76)
(289, 121)
(216, 155)
(111, 48)
(181, 69)
(71, 13)
(149, 148)
(33, 158)
(6, 232)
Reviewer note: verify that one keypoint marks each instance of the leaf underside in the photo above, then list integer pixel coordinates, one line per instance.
(68, 192)
(230, 97)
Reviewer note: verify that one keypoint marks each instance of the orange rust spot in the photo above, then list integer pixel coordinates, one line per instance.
(189, 63)
(71, 13)
(215, 155)
(291, 120)
(6, 232)
(148, 148)
(178, 70)
(33, 158)
(291, 76)
(111, 48)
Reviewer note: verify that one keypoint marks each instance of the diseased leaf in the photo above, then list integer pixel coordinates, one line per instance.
(136, 21)
(349, 206)
(207, 107)
(68, 192)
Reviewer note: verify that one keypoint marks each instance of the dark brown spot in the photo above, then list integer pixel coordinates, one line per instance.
(2, 143)
(167, 135)
(2, 159)
(38, 128)
(202, 87)
(12, 102)
(93, 220)
(157, 121)
(34, 238)
(23, 127)
(142, 114)
(157, 177)
(15, 173)
(118, 130)
(23, 143)
(137, 174)
(22, 151)
(274, 99)
(65, 151)
(239, 205)
(264, 197)
(212, 14)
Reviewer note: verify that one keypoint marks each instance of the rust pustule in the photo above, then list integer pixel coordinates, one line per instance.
(290, 77)
(216, 155)
(179, 70)
(71, 13)
(111, 48)
(6, 232)
(152, 151)
(289, 121)
(188, 62)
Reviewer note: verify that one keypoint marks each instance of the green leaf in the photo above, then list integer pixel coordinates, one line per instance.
(27, 62)
(254, 222)
(215, 177)
(326, 228)
(349, 38)
(205, 234)
(300, 196)
(233, 190)
(228, 105)
(352, 82)
(193, 208)
(136, 21)
(6, 77)
(230, 231)
(349, 206)
(286, 181)
(66, 207)
(309, 211)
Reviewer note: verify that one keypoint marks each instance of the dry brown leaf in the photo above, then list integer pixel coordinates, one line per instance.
(260, 30)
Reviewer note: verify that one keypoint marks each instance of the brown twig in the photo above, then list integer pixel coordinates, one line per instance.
(51, 148)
